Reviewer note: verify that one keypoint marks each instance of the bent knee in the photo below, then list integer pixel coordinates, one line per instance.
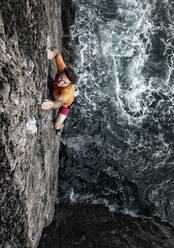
(58, 126)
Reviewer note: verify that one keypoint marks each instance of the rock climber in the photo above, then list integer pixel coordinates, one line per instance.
(63, 89)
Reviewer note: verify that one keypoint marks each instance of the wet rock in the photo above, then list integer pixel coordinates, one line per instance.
(77, 226)
(29, 149)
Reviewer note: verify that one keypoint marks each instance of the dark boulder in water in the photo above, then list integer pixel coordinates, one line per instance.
(77, 226)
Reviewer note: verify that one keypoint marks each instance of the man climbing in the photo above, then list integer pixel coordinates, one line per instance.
(63, 89)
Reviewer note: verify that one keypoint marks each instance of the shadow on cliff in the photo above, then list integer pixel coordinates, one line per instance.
(50, 82)
(68, 18)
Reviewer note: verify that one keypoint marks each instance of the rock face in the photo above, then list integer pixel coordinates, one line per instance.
(29, 147)
(77, 226)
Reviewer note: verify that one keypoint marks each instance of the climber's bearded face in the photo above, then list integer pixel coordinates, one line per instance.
(63, 81)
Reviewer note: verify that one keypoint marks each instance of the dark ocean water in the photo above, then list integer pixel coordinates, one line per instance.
(117, 146)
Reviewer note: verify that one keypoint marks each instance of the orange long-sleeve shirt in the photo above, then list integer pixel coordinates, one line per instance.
(67, 93)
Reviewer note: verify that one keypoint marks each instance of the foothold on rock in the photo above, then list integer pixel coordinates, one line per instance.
(31, 127)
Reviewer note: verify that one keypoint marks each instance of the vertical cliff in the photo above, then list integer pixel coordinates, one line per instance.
(29, 147)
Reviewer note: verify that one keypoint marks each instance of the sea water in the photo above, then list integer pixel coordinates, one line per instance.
(117, 146)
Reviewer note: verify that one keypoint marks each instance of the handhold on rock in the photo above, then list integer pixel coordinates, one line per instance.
(28, 66)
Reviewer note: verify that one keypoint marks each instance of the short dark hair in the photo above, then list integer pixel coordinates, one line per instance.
(70, 73)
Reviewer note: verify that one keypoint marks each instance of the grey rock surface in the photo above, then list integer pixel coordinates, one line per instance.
(93, 226)
(29, 148)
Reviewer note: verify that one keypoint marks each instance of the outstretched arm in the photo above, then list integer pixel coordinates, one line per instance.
(48, 104)
(55, 53)
(52, 53)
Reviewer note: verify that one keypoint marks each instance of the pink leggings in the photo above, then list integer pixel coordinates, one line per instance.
(65, 111)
